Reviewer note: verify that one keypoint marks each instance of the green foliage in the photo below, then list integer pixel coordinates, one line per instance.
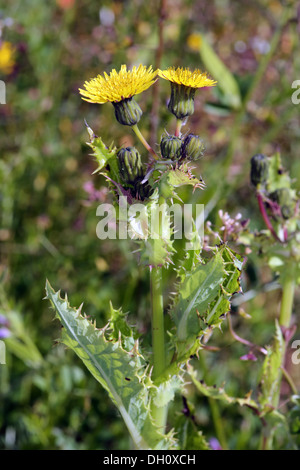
(219, 393)
(270, 379)
(172, 179)
(47, 217)
(278, 177)
(231, 95)
(189, 437)
(20, 342)
(203, 296)
(106, 157)
(120, 372)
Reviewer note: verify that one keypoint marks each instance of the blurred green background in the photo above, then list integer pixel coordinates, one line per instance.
(48, 196)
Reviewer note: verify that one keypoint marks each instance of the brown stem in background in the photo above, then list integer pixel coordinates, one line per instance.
(162, 14)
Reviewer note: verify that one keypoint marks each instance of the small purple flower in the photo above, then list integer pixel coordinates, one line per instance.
(248, 357)
(3, 320)
(214, 444)
(4, 333)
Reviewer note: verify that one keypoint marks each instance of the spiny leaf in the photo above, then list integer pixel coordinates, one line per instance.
(157, 248)
(120, 372)
(277, 177)
(106, 157)
(101, 153)
(231, 285)
(270, 379)
(218, 393)
(199, 288)
(175, 178)
(165, 392)
(203, 298)
(119, 329)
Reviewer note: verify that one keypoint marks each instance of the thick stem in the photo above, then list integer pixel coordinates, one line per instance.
(157, 322)
(159, 414)
(288, 290)
(178, 127)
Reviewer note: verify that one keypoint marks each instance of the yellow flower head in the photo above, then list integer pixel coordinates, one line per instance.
(187, 77)
(184, 84)
(118, 86)
(7, 57)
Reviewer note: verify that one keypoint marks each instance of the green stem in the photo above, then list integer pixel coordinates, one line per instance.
(157, 322)
(178, 127)
(142, 139)
(159, 414)
(288, 291)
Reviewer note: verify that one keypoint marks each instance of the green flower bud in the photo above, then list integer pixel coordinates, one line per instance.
(181, 103)
(283, 198)
(128, 112)
(259, 169)
(170, 147)
(193, 147)
(130, 165)
(143, 191)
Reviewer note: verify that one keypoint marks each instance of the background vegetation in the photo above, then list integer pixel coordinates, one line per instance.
(48, 198)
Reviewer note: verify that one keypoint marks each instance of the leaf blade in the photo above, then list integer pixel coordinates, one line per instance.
(111, 366)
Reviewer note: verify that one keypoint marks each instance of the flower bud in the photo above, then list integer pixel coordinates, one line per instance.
(170, 147)
(128, 112)
(130, 165)
(193, 147)
(259, 169)
(283, 198)
(142, 191)
(181, 103)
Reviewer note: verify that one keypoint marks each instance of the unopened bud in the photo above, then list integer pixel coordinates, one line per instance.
(130, 165)
(259, 169)
(142, 191)
(170, 147)
(181, 103)
(128, 112)
(193, 147)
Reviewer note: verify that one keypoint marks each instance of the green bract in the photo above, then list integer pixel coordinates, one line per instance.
(193, 147)
(130, 165)
(170, 147)
(128, 112)
(181, 102)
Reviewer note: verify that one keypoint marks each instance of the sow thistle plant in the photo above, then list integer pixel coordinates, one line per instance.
(142, 383)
